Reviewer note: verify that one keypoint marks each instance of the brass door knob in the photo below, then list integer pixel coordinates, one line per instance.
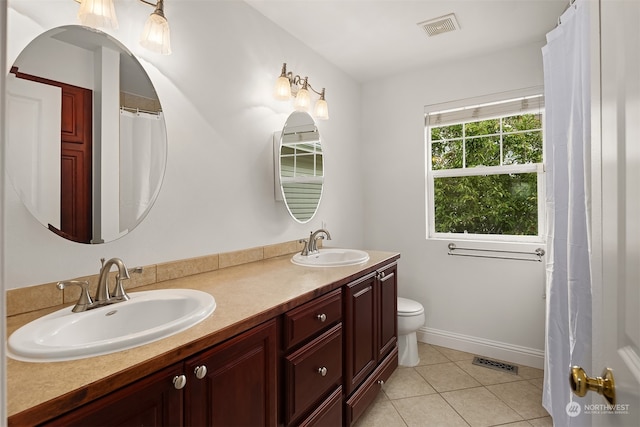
(604, 385)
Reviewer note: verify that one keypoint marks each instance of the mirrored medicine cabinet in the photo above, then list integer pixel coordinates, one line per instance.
(299, 166)
(86, 137)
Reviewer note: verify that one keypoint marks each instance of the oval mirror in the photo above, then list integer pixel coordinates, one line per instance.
(301, 166)
(86, 138)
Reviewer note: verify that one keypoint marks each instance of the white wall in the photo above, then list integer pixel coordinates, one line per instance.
(216, 92)
(474, 304)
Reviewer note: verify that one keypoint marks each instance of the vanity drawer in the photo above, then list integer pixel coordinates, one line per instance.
(328, 413)
(312, 371)
(367, 392)
(309, 319)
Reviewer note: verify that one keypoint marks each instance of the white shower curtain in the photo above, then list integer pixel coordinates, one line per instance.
(142, 159)
(566, 61)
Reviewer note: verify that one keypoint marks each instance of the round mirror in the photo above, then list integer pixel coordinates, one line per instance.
(86, 138)
(301, 166)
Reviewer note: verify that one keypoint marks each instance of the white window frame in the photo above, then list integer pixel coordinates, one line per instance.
(466, 108)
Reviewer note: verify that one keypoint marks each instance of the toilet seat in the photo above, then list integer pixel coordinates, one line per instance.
(407, 307)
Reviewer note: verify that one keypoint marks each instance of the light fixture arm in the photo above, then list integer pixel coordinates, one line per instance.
(295, 80)
(158, 5)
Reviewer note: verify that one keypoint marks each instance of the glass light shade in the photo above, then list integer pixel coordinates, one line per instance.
(303, 100)
(282, 90)
(321, 110)
(155, 36)
(98, 14)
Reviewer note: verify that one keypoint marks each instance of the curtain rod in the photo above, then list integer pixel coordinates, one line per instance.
(138, 110)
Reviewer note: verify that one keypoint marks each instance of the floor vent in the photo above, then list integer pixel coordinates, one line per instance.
(494, 364)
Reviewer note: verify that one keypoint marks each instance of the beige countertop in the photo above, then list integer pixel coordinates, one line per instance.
(246, 296)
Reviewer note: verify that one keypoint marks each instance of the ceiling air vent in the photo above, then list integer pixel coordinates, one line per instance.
(440, 25)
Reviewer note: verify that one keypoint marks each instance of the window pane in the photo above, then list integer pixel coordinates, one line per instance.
(484, 127)
(287, 150)
(494, 204)
(319, 165)
(305, 165)
(483, 151)
(522, 122)
(446, 155)
(520, 148)
(446, 132)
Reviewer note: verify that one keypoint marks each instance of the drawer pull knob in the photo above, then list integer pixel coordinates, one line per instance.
(382, 275)
(179, 381)
(322, 371)
(200, 371)
(381, 382)
(322, 317)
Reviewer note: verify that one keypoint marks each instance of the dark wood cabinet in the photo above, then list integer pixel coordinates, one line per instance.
(387, 310)
(313, 361)
(151, 401)
(231, 384)
(360, 331)
(371, 331)
(234, 383)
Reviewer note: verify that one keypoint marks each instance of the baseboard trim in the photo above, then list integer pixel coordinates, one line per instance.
(483, 347)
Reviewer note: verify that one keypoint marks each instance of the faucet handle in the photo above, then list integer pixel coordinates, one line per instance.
(305, 248)
(85, 298)
(119, 293)
(137, 270)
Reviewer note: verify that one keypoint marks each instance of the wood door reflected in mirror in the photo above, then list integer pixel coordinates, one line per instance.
(86, 138)
(301, 164)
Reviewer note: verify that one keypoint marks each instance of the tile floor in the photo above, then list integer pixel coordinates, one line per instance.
(445, 389)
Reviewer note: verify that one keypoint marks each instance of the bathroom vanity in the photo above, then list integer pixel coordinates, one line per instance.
(287, 345)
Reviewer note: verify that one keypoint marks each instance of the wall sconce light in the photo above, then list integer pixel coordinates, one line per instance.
(289, 85)
(101, 14)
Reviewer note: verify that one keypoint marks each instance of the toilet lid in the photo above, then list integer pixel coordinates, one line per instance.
(406, 305)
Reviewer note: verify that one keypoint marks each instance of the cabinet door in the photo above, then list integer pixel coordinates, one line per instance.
(360, 331)
(387, 310)
(152, 401)
(239, 387)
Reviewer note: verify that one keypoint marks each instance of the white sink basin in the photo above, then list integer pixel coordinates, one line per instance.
(331, 257)
(148, 316)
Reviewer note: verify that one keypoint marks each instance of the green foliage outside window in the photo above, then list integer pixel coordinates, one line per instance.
(504, 204)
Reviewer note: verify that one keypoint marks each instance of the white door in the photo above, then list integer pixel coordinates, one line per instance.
(616, 248)
(33, 146)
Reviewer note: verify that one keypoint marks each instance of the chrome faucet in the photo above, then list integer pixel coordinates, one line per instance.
(312, 244)
(103, 296)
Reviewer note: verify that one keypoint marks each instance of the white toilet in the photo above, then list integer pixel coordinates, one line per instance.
(410, 319)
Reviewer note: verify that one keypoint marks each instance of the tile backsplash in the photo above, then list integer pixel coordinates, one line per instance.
(38, 297)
